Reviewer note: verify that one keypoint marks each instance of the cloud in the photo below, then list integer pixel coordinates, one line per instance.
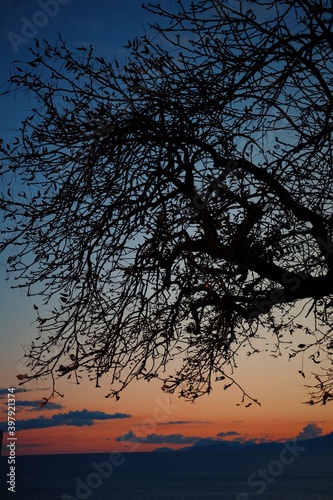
(131, 437)
(5, 391)
(310, 431)
(229, 433)
(176, 422)
(35, 405)
(75, 418)
(265, 438)
(183, 422)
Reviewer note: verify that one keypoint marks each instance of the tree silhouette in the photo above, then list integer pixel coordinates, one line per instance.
(179, 206)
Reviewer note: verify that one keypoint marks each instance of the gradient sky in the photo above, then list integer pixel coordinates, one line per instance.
(84, 421)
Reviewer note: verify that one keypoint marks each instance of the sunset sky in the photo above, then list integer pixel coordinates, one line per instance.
(144, 418)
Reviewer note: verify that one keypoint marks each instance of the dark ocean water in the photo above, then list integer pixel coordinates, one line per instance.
(234, 474)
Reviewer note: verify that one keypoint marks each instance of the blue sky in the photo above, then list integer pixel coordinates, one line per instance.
(108, 24)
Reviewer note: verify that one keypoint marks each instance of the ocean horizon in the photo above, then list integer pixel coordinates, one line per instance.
(231, 474)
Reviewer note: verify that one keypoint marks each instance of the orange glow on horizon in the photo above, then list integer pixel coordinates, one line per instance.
(275, 382)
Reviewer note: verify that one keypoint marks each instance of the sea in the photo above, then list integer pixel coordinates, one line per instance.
(231, 474)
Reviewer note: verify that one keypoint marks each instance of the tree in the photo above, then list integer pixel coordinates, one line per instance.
(178, 207)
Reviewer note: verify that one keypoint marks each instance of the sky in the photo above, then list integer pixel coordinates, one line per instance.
(144, 418)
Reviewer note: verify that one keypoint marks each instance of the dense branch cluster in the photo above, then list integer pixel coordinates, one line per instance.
(178, 207)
